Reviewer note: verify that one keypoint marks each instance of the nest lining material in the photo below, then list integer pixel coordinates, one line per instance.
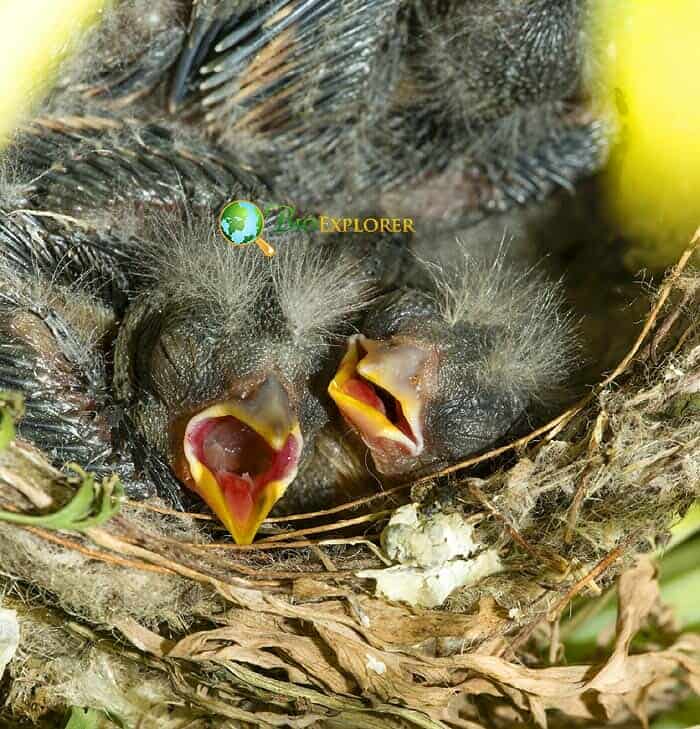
(150, 617)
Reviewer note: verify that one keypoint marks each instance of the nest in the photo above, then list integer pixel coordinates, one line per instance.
(150, 616)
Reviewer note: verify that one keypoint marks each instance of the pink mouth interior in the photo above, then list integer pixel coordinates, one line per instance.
(379, 399)
(242, 462)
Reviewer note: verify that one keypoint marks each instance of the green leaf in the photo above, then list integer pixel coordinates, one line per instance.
(92, 505)
(684, 716)
(686, 528)
(11, 409)
(7, 429)
(83, 719)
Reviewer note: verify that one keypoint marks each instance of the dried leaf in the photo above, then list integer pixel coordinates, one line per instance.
(144, 639)
(387, 675)
(434, 632)
(638, 592)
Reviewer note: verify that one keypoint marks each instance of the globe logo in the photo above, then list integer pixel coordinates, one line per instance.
(241, 223)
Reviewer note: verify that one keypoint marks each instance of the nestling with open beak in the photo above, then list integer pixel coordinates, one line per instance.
(446, 371)
(215, 365)
(173, 357)
(217, 361)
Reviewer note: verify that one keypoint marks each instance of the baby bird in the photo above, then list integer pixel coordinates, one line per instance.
(438, 109)
(453, 368)
(58, 288)
(468, 107)
(217, 362)
(99, 161)
(217, 359)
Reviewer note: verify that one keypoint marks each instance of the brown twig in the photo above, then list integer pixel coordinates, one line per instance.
(169, 512)
(555, 561)
(278, 519)
(596, 572)
(212, 565)
(594, 445)
(684, 337)
(554, 614)
(368, 518)
(325, 560)
(490, 455)
(554, 642)
(664, 293)
(668, 323)
(93, 554)
(269, 545)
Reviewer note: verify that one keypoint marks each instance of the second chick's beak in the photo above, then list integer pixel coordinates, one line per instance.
(241, 454)
(381, 388)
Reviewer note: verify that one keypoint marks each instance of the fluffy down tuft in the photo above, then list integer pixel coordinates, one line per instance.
(534, 343)
(479, 61)
(317, 291)
(315, 288)
(188, 260)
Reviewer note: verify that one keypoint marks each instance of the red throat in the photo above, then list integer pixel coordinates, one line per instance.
(381, 401)
(241, 461)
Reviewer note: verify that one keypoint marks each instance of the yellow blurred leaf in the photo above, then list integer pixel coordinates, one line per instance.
(34, 36)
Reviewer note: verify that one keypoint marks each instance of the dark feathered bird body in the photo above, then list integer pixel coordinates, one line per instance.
(146, 343)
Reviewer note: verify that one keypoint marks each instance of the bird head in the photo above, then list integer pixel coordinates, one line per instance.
(215, 364)
(441, 373)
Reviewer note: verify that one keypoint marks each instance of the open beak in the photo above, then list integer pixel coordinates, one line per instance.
(378, 389)
(242, 454)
